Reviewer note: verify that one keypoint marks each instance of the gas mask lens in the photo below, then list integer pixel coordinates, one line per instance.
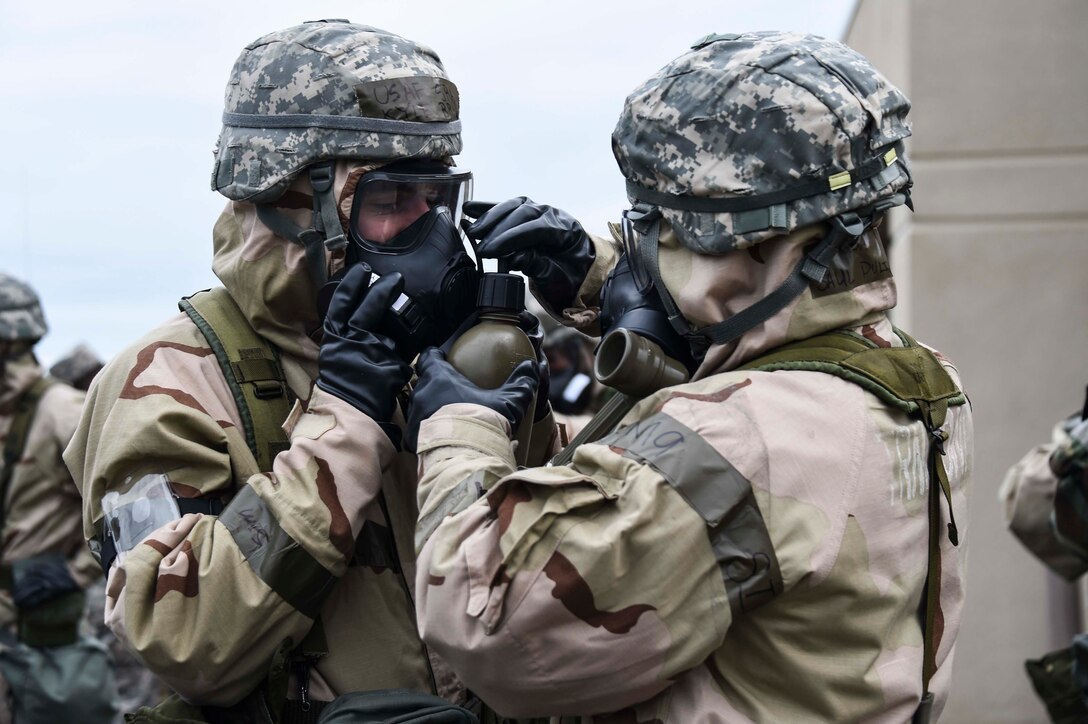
(404, 220)
(387, 202)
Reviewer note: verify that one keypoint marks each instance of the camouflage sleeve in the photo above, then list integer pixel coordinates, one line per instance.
(1028, 493)
(206, 601)
(583, 313)
(604, 558)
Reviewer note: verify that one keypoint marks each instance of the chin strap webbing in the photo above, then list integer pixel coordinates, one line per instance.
(316, 239)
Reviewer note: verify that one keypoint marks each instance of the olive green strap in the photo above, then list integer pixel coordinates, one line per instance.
(251, 368)
(25, 409)
(899, 376)
(602, 423)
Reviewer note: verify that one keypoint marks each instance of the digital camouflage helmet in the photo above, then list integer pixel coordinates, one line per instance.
(750, 136)
(21, 317)
(304, 97)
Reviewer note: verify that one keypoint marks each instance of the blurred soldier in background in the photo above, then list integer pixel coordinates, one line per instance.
(575, 395)
(241, 465)
(1046, 508)
(45, 564)
(77, 368)
(775, 540)
(136, 685)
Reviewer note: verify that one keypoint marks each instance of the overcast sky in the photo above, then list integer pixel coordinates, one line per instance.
(112, 108)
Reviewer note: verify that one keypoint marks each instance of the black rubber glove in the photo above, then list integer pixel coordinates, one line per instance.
(545, 243)
(440, 384)
(357, 364)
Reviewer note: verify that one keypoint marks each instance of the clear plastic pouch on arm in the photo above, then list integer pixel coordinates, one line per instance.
(133, 515)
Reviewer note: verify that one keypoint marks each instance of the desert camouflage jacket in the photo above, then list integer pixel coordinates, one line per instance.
(749, 546)
(42, 507)
(206, 601)
(1029, 492)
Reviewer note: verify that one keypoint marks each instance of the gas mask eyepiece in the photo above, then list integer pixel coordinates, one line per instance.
(404, 219)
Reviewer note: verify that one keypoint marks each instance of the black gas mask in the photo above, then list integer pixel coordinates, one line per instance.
(641, 350)
(404, 219)
(571, 388)
(628, 304)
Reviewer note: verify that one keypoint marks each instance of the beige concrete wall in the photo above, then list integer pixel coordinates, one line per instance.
(992, 270)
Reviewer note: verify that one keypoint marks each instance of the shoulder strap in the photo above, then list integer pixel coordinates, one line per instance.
(25, 409)
(912, 379)
(253, 373)
(251, 367)
(907, 377)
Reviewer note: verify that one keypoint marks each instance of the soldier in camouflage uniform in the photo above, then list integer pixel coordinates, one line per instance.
(1046, 508)
(1045, 504)
(136, 685)
(752, 545)
(77, 368)
(40, 506)
(212, 601)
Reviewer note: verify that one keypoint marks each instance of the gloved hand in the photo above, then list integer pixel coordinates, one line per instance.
(529, 324)
(546, 243)
(440, 384)
(357, 364)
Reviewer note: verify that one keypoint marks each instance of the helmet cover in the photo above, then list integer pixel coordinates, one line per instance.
(21, 315)
(788, 129)
(327, 90)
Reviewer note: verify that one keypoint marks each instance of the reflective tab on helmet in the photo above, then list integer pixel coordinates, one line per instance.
(839, 180)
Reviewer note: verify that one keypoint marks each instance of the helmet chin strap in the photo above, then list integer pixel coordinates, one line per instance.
(325, 221)
(843, 234)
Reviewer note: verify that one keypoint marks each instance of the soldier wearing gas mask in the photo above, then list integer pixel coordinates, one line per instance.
(241, 466)
(779, 537)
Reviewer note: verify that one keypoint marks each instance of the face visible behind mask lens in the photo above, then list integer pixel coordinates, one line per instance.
(403, 222)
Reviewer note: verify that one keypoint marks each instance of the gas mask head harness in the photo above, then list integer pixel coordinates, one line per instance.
(635, 296)
(404, 218)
